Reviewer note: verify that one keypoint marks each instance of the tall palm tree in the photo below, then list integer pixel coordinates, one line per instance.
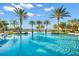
(47, 22)
(22, 15)
(32, 23)
(39, 24)
(60, 13)
(14, 23)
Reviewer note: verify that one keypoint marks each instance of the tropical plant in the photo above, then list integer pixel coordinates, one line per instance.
(32, 23)
(17, 28)
(47, 22)
(4, 25)
(61, 26)
(55, 26)
(39, 25)
(22, 15)
(77, 20)
(60, 13)
(73, 25)
(14, 23)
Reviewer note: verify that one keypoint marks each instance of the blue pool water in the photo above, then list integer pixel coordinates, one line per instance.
(40, 45)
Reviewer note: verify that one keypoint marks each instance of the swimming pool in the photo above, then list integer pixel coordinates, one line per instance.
(40, 45)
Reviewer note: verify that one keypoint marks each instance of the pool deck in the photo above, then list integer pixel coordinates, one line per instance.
(74, 33)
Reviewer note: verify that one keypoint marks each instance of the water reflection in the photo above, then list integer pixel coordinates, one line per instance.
(3, 40)
(20, 45)
(59, 45)
(32, 34)
(14, 39)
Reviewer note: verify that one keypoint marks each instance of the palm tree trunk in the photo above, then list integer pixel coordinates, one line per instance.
(58, 25)
(20, 25)
(46, 30)
(32, 31)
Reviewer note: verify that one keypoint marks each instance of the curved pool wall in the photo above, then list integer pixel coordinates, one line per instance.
(40, 45)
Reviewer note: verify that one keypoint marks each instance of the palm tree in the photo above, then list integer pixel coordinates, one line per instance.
(55, 26)
(77, 20)
(1, 27)
(73, 25)
(40, 27)
(22, 15)
(39, 24)
(62, 26)
(47, 22)
(14, 23)
(4, 25)
(32, 23)
(60, 13)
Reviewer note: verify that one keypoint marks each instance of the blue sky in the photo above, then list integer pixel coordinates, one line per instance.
(41, 11)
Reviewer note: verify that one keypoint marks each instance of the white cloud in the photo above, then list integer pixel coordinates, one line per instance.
(21, 5)
(39, 5)
(29, 6)
(30, 14)
(8, 8)
(17, 5)
(49, 9)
